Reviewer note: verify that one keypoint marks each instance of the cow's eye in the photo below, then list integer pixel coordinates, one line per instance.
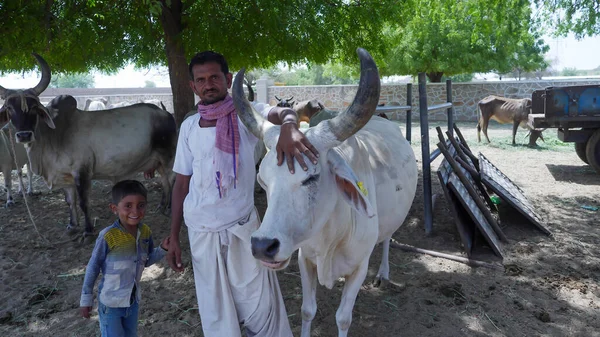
(312, 179)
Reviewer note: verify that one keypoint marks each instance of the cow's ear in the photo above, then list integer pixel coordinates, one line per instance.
(47, 115)
(3, 115)
(352, 190)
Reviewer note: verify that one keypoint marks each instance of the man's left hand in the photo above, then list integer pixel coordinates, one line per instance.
(293, 144)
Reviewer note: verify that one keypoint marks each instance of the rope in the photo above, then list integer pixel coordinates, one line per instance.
(14, 153)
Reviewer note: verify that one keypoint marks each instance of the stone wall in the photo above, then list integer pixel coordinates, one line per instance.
(338, 97)
(465, 95)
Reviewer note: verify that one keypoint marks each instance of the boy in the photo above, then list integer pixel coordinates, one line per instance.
(121, 252)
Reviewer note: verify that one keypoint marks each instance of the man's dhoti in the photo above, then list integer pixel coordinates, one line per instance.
(232, 287)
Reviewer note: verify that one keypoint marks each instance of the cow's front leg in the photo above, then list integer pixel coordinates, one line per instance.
(515, 127)
(20, 179)
(383, 275)
(83, 184)
(308, 276)
(8, 186)
(343, 316)
(71, 199)
(29, 180)
(167, 188)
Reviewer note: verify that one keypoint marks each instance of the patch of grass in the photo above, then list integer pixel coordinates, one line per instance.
(500, 137)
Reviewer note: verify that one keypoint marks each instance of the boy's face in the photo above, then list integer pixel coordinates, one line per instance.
(131, 209)
(210, 83)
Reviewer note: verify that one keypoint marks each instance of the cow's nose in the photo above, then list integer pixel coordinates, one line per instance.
(264, 248)
(24, 136)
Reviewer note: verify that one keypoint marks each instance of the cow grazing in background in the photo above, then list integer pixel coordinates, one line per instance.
(358, 194)
(69, 147)
(94, 105)
(7, 163)
(505, 110)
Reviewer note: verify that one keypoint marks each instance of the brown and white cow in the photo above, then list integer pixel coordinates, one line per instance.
(69, 147)
(506, 110)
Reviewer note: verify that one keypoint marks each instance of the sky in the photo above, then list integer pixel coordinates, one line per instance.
(566, 52)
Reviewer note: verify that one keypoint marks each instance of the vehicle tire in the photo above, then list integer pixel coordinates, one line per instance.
(580, 149)
(593, 150)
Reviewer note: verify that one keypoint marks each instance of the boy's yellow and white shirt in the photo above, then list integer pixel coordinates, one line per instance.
(121, 258)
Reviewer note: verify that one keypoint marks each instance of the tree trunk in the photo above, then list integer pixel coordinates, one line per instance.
(435, 77)
(183, 97)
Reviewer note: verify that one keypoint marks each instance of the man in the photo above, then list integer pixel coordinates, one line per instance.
(214, 194)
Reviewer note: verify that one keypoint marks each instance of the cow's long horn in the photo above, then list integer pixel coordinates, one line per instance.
(250, 117)
(365, 102)
(40, 87)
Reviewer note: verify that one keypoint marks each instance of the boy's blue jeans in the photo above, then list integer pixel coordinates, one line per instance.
(118, 322)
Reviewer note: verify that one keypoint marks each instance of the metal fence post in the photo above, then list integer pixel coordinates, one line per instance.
(409, 111)
(425, 155)
(449, 112)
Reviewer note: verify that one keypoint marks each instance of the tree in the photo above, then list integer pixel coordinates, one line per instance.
(75, 80)
(455, 37)
(582, 17)
(149, 84)
(85, 35)
(569, 72)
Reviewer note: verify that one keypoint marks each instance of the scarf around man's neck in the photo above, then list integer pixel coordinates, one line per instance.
(227, 142)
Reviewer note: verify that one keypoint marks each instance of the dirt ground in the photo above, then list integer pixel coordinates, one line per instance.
(548, 286)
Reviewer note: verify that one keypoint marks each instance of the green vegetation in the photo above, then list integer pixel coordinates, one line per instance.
(489, 36)
(75, 80)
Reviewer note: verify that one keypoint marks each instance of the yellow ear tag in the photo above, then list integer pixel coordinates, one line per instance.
(362, 188)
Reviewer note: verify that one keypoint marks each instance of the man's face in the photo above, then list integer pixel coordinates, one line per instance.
(210, 83)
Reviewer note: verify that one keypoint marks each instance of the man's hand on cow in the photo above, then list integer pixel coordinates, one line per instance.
(292, 144)
(174, 255)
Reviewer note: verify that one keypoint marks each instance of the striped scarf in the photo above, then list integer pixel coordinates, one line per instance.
(227, 141)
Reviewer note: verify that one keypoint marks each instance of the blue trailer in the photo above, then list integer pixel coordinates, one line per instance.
(575, 112)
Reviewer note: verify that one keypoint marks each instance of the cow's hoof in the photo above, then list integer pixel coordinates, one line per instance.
(87, 238)
(164, 210)
(72, 230)
(380, 282)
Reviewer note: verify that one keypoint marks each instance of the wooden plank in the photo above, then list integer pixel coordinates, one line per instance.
(498, 182)
(464, 224)
(474, 192)
(456, 186)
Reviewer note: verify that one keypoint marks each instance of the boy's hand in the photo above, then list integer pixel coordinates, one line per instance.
(165, 243)
(292, 144)
(85, 312)
(174, 256)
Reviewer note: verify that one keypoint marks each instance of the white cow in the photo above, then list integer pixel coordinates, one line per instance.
(119, 104)
(95, 105)
(7, 163)
(358, 194)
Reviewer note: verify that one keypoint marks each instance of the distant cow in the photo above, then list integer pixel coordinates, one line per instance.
(96, 104)
(7, 163)
(314, 112)
(505, 110)
(69, 147)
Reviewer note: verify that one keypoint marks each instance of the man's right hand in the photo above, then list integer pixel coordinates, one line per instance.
(174, 255)
(85, 312)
